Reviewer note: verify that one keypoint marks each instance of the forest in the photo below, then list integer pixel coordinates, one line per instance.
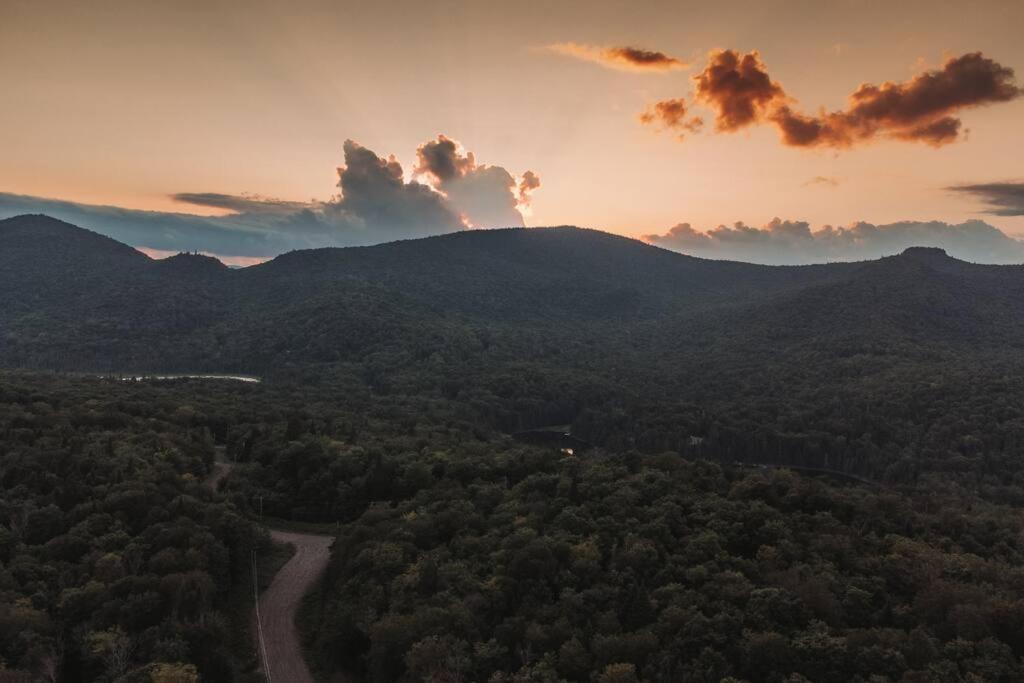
(795, 474)
(463, 554)
(116, 562)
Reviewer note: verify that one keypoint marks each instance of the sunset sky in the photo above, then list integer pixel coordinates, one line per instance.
(133, 104)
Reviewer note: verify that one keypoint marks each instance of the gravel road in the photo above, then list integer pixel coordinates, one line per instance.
(280, 602)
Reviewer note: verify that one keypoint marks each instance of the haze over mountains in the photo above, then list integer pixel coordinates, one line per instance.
(259, 229)
(794, 242)
(75, 300)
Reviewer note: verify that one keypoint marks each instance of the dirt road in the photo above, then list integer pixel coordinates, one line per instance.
(274, 621)
(221, 469)
(279, 604)
(217, 475)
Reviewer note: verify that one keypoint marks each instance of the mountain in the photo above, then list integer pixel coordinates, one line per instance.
(73, 299)
(562, 271)
(42, 259)
(921, 296)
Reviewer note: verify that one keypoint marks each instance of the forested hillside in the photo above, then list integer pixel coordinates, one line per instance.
(886, 369)
(809, 473)
(95, 304)
(74, 300)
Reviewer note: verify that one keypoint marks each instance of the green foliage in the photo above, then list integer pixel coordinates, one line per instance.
(113, 554)
(612, 567)
(795, 473)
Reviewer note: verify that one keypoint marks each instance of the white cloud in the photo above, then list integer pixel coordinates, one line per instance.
(793, 242)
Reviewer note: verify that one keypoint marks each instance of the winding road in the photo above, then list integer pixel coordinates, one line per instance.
(280, 603)
(278, 642)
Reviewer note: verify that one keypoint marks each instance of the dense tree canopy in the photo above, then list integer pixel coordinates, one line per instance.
(785, 474)
(115, 560)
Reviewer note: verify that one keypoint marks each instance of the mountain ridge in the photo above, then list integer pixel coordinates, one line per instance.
(74, 299)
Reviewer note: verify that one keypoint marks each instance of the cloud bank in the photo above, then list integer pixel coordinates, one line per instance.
(1004, 199)
(787, 242)
(375, 205)
(739, 89)
(622, 58)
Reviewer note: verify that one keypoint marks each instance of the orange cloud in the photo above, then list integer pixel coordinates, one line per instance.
(822, 180)
(622, 58)
(672, 115)
(919, 110)
(738, 88)
(527, 184)
(741, 92)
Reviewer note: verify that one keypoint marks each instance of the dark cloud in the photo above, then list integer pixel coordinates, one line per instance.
(241, 203)
(644, 59)
(741, 92)
(624, 58)
(442, 159)
(799, 130)
(672, 115)
(918, 110)
(1004, 199)
(738, 88)
(485, 196)
(793, 242)
(375, 205)
(376, 199)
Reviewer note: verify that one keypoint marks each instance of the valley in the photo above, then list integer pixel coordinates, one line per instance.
(810, 470)
(477, 342)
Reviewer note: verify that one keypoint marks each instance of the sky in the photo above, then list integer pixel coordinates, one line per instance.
(221, 126)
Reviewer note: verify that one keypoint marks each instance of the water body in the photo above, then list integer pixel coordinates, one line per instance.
(556, 437)
(234, 378)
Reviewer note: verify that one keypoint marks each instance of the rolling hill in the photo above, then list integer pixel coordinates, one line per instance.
(72, 299)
